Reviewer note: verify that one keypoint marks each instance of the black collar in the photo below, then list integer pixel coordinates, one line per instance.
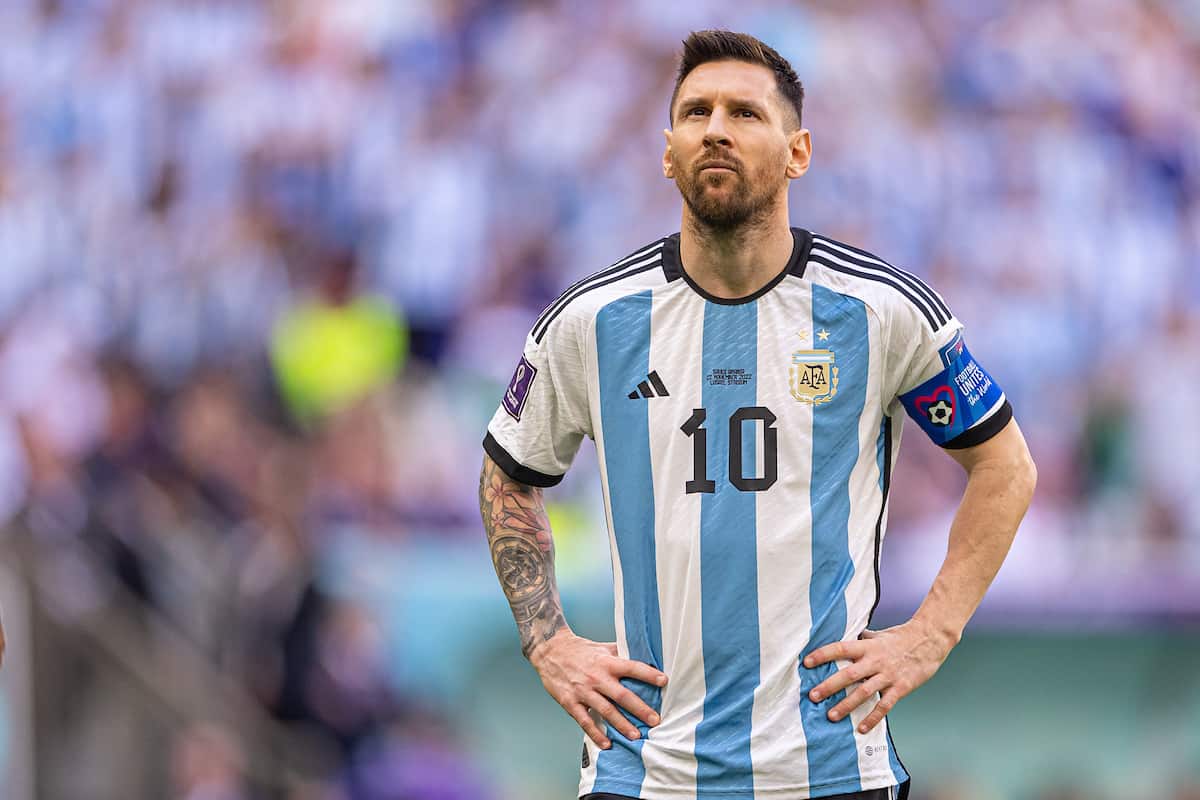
(673, 268)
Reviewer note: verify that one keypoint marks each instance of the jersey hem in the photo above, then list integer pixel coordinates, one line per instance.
(634, 790)
(513, 468)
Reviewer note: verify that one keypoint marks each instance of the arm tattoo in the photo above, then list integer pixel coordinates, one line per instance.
(518, 532)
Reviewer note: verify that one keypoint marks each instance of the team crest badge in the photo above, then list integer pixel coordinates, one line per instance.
(813, 376)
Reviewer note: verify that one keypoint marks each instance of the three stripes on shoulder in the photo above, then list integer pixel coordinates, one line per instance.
(648, 258)
(830, 253)
(849, 260)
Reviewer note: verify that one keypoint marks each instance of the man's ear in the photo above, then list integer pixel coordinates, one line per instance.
(799, 153)
(667, 165)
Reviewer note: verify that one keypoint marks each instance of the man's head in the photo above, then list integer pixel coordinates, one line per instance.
(703, 47)
(735, 138)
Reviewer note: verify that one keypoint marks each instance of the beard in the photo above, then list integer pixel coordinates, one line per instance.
(724, 202)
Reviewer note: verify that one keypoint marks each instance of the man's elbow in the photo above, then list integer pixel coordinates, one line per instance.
(1008, 468)
(1018, 467)
(1025, 474)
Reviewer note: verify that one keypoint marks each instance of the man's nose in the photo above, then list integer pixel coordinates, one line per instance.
(717, 132)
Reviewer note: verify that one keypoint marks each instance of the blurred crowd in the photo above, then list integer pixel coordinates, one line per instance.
(266, 267)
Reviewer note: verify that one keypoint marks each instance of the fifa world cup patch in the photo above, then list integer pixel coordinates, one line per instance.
(518, 388)
(956, 398)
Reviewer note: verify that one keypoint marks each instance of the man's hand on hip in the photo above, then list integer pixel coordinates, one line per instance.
(581, 674)
(892, 662)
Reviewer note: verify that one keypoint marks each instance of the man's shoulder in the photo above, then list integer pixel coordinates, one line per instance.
(637, 271)
(854, 271)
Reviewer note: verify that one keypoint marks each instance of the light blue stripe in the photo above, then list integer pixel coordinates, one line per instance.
(728, 562)
(832, 753)
(623, 360)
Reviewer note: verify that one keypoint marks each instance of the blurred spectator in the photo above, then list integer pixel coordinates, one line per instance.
(207, 766)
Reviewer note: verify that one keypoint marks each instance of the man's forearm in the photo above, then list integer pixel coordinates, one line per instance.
(995, 501)
(518, 532)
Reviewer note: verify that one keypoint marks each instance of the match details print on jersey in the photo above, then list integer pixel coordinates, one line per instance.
(745, 449)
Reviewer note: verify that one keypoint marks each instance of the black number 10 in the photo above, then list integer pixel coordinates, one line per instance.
(700, 481)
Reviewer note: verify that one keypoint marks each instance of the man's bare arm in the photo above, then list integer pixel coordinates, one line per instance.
(1001, 477)
(518, 533)
(578, 673)
(1000, 480)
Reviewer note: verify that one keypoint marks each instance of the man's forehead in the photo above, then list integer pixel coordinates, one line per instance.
(751, 81)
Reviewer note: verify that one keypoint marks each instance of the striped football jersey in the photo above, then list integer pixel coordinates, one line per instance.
(745, 449)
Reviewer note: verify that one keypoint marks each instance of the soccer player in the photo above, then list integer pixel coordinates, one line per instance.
(743, 381)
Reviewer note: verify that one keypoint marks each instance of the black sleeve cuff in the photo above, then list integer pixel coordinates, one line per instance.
(517, 472)
(983, 431)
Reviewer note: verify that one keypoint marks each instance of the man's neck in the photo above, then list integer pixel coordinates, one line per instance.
(735, 263)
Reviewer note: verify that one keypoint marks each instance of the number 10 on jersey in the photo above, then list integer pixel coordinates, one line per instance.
(700, 481)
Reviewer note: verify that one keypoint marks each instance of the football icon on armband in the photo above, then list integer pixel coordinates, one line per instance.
(940, 413)
(937, 407)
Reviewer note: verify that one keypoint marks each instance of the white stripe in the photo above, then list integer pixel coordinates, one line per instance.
(912, 294)
(676, 325)
(587, 779)
(865, 496)
(822, 241)
(784, 549)
(654, 247)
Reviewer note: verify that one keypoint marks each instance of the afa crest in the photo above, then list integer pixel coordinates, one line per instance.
(813, 376)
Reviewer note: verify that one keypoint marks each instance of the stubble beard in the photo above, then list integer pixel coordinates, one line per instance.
(747, 203)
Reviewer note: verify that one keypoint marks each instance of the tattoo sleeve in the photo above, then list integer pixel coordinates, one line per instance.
(518, 532)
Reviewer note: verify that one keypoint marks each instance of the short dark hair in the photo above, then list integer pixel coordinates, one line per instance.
(701, 47)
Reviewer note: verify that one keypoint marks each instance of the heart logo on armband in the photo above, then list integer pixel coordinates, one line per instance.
(938, 407)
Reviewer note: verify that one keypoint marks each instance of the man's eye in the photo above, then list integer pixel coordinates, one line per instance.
(694, 111)
(745, 112)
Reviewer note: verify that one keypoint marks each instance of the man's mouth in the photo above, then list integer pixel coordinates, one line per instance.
(718, 166)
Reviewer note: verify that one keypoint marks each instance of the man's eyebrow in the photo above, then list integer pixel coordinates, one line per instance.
(736, 102)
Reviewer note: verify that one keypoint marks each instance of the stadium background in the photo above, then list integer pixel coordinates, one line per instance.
(265, 268)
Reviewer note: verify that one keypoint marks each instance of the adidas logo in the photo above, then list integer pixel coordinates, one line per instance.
(652, 380)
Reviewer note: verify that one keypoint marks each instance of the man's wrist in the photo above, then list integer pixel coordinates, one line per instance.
(537, 651)
(945, 633)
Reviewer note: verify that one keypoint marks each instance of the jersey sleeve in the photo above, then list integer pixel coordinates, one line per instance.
(940, 384)
(543, 414)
